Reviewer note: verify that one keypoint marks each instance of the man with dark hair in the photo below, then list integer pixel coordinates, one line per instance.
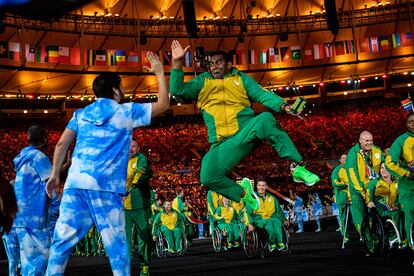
(400, 163)
(96, 179)
(30, 226)
(224, 96)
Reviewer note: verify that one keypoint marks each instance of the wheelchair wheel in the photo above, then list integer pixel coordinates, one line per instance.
(286, 239)
(250, 243)
(390, 229)
(216, 238)
(372, 231)
(184, 244)
(160, 247)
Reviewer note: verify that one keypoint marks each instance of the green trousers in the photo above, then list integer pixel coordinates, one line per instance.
(139, 218)
(273, 227)
(406, 199)
(358, 209)
(232, 231)
(173, 237)
(395, 215)
(342, 216)
(224, 155)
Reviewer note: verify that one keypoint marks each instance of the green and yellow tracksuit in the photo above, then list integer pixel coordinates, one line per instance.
(227, 222)
(361, 167)
(269, 216)
(400, 164)
(340, 185)
(171, 225)
(214, 200)
(182, 208)
(239, 208)
(137, 206)
(233, 127)
(384, 196)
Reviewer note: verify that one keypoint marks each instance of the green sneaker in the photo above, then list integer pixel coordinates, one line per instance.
(250, 196)
(302, 175)
(272, 247)
(144, 271)
(281, 246)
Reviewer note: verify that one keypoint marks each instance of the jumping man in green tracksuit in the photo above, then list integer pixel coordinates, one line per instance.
(138, 205)
(400, 163)
(340, 185)
(362, 165)
(224, 96)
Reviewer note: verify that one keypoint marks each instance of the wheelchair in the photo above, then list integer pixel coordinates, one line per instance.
(162, 246)
(255, 243)
(219, 240)
(379, 230)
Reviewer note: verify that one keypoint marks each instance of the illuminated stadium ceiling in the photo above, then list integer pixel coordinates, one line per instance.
(237, 25)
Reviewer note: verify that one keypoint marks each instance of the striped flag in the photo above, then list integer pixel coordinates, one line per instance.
(349, 47)
(384, 43)
(364, 45)
(166, 57)
(285, 53)
(52, 53)
(14, 50)
(111, 57)
(253, 57)
(318, 51)
(328, 50)
(407, 39)
(263, 57)
(188, 59)
(396, 40)
(407, 104)
(132, 59)
(241, 57)
(63, 55)
(307, 52)
(30, 50)
(41, 55)
(89, 57)
(100, 57)
(273, 55)
(373, 44)
(120, 57)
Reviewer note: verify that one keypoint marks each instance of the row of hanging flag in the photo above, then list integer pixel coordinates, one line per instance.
(309, 52)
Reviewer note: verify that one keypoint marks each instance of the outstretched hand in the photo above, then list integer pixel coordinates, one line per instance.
(177, 50)
(156, 66)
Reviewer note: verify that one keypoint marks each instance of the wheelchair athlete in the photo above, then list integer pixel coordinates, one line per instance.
(382, 194)
(269, 216)
(227, 222)
(171, 225)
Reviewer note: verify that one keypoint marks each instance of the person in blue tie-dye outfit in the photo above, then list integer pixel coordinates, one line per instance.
(29, 239)
(96, 178)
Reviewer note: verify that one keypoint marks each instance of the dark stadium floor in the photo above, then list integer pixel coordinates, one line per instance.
(312, 254)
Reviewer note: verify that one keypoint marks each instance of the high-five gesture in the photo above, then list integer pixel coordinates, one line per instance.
(156, 66)
(177, 50)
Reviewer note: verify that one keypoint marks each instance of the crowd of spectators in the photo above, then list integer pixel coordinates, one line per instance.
(175, 146)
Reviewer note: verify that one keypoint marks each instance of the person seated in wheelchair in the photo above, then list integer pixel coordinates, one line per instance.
(214, 200)
(382, 195)
(239, 207)
(227, 222)
(269, 217)
(170, 223)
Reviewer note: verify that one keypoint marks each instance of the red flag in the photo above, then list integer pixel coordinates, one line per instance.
(364, 45)
(145, 61)
(74, 56)
(307, 52)
(132, 59)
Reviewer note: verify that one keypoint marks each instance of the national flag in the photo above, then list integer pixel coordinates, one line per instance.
(241, 57)
(384, 43)
(285, 53)
(120, 57)
(273, 55)
(14, 50)
(64, 55)
(132, 59)
(339, 48)
(295, 51)
(30, 50)
(188, 59)
(328, 50)
(41, 54)
(307, 52)
(349, 47)
(4, 49)
(407, 39)
(318, 51)
(111, 57)
(396, 40)
(373, 44)
(100, 57)
(253, 57)
(364, 45)
(263, 56)
(166, 57)
(74, 56)
(89, 57)
(407, 104)
(145, 61)
(52, 53)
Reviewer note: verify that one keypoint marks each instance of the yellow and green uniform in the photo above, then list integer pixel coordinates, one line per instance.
(227, 221)
(214, 200)
(384, 196)
(171, 225)
(341, 191)
(182, 208)
(269, 216)
(400, 164)
(137, 206)
(239, 208)
(361, 167)
(233, 127)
